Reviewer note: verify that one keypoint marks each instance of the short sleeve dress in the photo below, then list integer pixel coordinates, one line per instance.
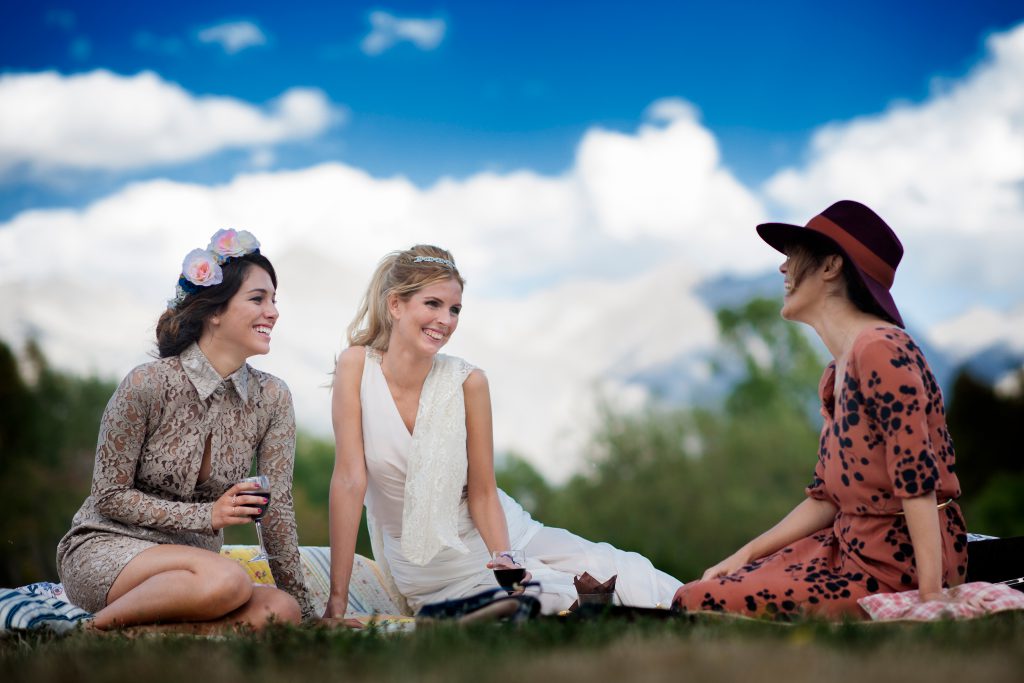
(884, 440)
(146, 489)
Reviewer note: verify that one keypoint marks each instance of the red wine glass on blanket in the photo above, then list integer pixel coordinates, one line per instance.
(263, 490)
(509, 568)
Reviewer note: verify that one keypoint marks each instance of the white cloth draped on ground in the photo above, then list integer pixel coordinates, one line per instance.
(458, 569)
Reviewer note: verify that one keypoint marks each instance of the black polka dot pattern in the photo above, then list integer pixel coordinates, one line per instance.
(884, 439)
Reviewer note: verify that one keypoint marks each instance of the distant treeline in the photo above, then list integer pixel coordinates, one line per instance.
(684, 486)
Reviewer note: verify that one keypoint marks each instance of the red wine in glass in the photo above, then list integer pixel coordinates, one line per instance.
(509, 567)
(508, 578)
(258, 517)
(263, 489)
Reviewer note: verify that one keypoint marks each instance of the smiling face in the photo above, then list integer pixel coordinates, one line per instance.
(427, 319)
(244, 327)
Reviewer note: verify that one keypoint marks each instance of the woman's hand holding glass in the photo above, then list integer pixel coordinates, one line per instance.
(509, 567)
(237, 506)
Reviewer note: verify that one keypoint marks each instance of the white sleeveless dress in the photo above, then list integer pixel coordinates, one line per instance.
(553, 556)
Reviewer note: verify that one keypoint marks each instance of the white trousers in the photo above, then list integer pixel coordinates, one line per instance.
(555, 556)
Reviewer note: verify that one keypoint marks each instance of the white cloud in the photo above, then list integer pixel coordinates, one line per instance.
(947, 174)
(599, 323)
(577, 282)
(102, 120)
(387, 30)
(262, 158)
(667, 183)
(669, 109)
(233, 36)
(978, 329)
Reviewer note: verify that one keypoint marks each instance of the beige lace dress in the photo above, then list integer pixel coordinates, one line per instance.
(145, 487)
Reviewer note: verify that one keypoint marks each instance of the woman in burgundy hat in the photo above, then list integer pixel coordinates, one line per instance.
(880, 513)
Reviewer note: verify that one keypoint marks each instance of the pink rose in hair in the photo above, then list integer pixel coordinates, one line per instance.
(200, 267)
(233, 243)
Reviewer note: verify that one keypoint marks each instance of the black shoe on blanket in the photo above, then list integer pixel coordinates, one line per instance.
(494, 604)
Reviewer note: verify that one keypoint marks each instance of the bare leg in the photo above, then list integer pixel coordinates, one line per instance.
(180, 583)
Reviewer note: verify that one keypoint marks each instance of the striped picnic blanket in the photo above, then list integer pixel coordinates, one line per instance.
(45, 606)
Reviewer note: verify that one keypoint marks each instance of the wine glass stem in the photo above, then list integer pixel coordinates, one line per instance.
(259, 536)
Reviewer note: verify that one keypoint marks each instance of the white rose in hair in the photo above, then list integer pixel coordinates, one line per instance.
(233, 243)
(200, 267)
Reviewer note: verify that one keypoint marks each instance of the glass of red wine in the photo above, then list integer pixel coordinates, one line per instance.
(263, 490)
(509, 568)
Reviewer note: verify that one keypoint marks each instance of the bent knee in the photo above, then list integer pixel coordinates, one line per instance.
(226, 586)
(273, 604)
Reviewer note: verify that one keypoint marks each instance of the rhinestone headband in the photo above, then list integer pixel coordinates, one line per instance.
(435, 259)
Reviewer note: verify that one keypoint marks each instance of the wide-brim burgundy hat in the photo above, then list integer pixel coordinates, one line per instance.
(861, 236)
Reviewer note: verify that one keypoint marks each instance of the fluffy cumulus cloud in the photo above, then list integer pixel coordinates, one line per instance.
(590, 330)
(947, 174)
(580, 284)
(102, 120)
(233, 36)
(981, 329)
(386, 30)
(667, 183)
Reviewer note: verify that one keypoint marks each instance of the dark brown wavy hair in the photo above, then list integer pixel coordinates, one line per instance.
(181, 325)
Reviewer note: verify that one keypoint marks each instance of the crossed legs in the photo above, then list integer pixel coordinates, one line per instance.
(175, 583)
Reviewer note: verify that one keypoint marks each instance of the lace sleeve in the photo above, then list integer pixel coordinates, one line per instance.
(123, 431)
(275, 457)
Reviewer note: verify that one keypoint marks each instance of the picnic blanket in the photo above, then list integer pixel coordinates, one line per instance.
(44, 605)
(967, 601)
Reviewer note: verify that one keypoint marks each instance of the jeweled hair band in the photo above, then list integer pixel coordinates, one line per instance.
(435, 259)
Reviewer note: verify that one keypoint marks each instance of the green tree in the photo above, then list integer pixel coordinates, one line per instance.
(47, 444)
(686, 486)
(985, 427)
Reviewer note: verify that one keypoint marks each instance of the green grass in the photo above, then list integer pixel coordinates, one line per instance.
(990, 650)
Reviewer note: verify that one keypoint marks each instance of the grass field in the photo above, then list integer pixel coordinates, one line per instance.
(706, 649)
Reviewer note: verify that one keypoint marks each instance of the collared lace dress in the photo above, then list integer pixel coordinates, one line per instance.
(146, 489)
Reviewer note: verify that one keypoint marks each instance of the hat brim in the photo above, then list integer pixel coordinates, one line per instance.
(779, 235)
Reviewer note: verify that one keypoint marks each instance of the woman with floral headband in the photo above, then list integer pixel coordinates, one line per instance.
(413, 440)
(175, 439)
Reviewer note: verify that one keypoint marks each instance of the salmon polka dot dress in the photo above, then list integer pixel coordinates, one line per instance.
(884, 440)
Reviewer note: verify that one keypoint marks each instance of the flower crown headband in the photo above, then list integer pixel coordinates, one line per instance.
(202, 267)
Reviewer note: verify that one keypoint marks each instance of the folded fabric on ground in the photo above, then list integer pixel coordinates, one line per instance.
(969, 601)
(38, 606)
(367, 595)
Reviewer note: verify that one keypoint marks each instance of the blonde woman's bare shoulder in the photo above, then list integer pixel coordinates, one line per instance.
(352, 357)
(476, 381)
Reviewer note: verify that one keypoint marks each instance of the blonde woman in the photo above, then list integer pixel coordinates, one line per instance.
(413, 442)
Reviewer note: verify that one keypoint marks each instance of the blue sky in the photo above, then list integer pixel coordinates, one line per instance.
(511, 85)
(593, 167)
